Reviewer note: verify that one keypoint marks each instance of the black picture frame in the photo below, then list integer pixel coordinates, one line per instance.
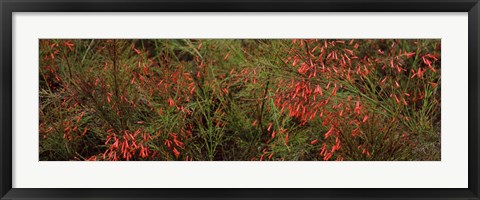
(8, 7)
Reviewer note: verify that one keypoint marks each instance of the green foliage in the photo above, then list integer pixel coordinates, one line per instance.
(239, 100)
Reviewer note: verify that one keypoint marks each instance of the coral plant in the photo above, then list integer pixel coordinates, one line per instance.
(239, 100)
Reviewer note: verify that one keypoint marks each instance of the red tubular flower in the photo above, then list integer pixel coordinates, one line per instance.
(365, 118)
(176, 152)
(357, 108)
(327, 157)
(69, 45)
(329, 132)
(286, 139)
(171, 102)
(409, 55)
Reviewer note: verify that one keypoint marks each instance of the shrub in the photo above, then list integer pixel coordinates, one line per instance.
(218, 99)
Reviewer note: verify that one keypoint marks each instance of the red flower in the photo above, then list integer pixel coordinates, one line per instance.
(176, 152)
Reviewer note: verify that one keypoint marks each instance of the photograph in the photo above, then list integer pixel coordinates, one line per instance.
(252, 99)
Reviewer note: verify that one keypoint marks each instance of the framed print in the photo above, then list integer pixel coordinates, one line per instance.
(246, 100)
